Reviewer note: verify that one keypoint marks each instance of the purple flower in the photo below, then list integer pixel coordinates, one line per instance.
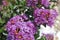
(17, 26)
(5, 3)
(45, 3)
(49, 37)
(32, 3)
(44, 16)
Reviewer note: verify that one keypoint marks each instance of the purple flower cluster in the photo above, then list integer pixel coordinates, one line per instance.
(44, 16)
(34, 3)
(19, 29)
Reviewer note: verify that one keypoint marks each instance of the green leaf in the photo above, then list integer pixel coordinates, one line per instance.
(53, 0)
(1, 21)
(2, 30)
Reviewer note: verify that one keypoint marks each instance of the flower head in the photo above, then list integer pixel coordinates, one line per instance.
(20, 29)
(44, 16)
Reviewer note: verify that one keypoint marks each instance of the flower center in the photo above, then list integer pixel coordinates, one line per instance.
(47, 16)
(17, 30)
(20, 36)
(41, 12)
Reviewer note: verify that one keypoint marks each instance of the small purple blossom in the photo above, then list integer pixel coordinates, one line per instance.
(5, 3)
(32, 3)
(44, 16)
(46, 3)
(49, 37)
